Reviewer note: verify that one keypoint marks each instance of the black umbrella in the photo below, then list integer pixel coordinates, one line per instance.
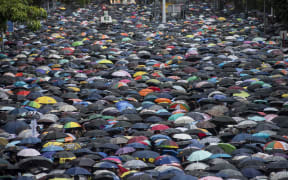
(145, 154)
(34, 162)
(96, 133)
(251, 162)
(83, 161)
(274, 166)
(281, 121)
(64, 154)
(54, 135)
(109, 146)
(220, 166)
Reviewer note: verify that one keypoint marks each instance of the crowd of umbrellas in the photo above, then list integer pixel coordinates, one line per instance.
(200, 98)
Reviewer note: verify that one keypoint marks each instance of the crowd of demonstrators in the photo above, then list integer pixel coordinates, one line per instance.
(203, 97)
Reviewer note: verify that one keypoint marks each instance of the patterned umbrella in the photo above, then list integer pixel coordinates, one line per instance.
(274, 145)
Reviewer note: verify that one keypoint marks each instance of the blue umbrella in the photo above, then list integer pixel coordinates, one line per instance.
(214, 156)
(166, 159)
(105, 165)
(140, 126)
(48, 154)
(30, 140)
(77, 171)
(195, 143)
(123, 105)
(251, 172)
(14, 127)
(159, 136)
(137, 145)
(241, 137)
(52, 148)
(146, 154)
(18, 111)
(34, 95)
(169, 152)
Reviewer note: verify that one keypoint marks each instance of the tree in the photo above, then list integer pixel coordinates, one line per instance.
(20, 11)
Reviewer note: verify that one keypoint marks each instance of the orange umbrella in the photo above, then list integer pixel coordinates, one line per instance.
(163, 100)
(144, 92)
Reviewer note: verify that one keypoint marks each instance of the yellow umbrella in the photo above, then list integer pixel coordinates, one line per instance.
(104, 61)
(74, 89)
(242, 94)
(221, 19)
(69, 125)
(71, 146)
(139, 73)
(127, 173)
(52, 143)
(190, 36)
(46, 100)
(63, 160)
(3, 141)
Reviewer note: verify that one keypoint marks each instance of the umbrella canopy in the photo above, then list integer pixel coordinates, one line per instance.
(29, 152)
(125, 150)
(45, 100)
(77, 171)
(135, 164)
(166, 159)
(199, 155)
(15, 127)
(37, 161)
(276, 145)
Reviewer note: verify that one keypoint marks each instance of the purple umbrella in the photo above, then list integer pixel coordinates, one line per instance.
(125, 150)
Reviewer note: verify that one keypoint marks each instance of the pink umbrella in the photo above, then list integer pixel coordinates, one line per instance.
(114, 160)
(125, 81)
(210, 178)
(159, 127)
(121, 73)
(269, 117)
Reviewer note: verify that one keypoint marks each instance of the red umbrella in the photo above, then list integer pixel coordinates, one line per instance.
(137, 139)
(23, 93)
(160, 127)
(67, 51)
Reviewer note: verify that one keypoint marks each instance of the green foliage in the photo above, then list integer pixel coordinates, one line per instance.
(21, 11)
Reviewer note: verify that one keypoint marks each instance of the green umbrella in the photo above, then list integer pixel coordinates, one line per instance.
(228, 148)
(175, 116)
(126, 39)
(192, 78)
(3, 56)
(77, 43)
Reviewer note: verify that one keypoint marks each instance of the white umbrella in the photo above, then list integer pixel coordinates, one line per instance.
(67, 108)
(182, 136)
(279, 175)
(135, 164)
(121, 73)
(28, 152)
(184, 120)
(196, 166)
